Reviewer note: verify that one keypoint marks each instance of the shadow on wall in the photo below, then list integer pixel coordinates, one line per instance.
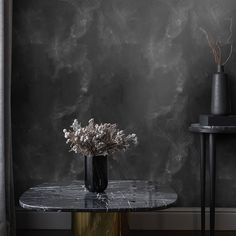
(142, 64)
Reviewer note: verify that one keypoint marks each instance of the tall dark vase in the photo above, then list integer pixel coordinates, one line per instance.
(96, 174)
(220, 95)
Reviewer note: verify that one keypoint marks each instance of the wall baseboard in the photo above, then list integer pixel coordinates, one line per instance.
(170, 219)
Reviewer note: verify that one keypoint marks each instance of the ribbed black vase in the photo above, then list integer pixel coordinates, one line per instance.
(96, 174)
(220, 94)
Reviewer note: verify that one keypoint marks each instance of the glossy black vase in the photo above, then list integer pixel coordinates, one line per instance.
(96, 174)
(220, 94)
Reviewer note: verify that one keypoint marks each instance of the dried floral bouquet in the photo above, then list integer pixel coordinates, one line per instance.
(98, 139)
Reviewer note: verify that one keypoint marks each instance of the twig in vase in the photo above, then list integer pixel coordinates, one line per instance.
(216, 46)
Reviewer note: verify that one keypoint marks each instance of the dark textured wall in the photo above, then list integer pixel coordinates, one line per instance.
(144, 64)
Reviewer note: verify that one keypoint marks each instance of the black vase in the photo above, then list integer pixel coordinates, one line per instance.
(220, 94)
(96, 174)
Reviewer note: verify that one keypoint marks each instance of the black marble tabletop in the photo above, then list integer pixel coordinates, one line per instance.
(197, 128)
(120, 195)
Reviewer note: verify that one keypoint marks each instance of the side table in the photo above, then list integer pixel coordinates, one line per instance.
(209, 132)
(99, 214)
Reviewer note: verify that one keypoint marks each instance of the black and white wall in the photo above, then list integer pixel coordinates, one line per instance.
(144, 64)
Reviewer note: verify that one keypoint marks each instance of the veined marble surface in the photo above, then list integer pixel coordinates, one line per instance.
(119, 196)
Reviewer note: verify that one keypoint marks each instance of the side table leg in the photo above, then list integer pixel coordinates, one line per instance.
(203, 179)
(212, 155)
(99, 224)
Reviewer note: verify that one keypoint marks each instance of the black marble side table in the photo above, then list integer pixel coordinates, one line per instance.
(209, 132)
(99, 214)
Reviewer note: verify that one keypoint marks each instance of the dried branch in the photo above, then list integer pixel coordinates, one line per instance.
(230, 30)
(229, 41)
(216, 47)
(213, 46)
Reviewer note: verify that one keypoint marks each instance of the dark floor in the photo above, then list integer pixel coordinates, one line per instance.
(132, 233)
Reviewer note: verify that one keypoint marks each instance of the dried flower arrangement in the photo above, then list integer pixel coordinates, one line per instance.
(95, 139)
(216, 46)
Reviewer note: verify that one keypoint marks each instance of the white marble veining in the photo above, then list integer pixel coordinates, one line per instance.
(120, 196)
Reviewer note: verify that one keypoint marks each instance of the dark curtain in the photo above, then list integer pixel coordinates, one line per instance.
(7, 211)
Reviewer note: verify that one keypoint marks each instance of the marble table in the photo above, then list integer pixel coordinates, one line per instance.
(99, 214)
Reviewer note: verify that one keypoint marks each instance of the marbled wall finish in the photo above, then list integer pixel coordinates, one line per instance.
(145, 65)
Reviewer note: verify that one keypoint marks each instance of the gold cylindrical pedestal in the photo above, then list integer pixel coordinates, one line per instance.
(99, 224)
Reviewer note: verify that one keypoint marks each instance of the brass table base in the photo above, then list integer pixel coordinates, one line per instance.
(99, 224)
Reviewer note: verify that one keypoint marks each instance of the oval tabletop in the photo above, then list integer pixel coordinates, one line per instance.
(197, 128)
(119, 196)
